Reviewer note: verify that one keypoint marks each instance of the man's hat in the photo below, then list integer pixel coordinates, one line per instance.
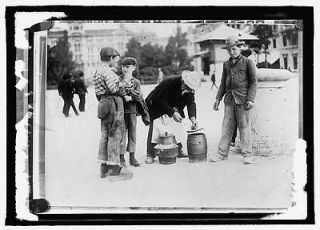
(108, 52)
(192, 79)
(129, 61)
(232, 41)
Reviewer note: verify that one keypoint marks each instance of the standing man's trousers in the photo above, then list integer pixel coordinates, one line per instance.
(236, 115)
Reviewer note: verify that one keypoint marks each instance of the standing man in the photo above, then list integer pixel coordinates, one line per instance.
(213, 79)
(110, 94)
(170, 97)
(81, 90)
(238, 86)
(160, 76)
(66, 90)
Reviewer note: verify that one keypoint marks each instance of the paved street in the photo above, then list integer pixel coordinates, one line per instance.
(72, 172)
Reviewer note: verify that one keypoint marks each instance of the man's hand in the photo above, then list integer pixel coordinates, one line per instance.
(248, 105)
(177, 117)
(194, 123)
(127, 98)
(216, 105)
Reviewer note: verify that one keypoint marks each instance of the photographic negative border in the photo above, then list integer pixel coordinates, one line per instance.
(202, 14)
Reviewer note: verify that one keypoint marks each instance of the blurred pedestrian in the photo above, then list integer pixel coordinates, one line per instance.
(213, 79)
(81, 90)
(238, 86)
(170, 97)
(66, 88)
(110, 93)
(160, 76)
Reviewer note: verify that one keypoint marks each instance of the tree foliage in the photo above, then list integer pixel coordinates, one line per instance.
(172, 59)
(59, 61)
(263, 32)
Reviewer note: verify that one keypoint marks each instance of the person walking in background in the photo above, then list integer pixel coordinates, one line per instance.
(238, 87)
(81, 90)
(213, 79)
(131, 98)
(160, 76)
(170, 97)
(110, 93)
(66, 88)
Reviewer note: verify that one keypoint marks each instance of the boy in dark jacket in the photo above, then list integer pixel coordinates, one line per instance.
(238, 87)
(133, 94)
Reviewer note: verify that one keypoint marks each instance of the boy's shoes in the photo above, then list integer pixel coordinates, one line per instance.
(103, 170)
(123, 164)
(122, 161)
(149, 160)
(248, 160)
(120, 175)
(114, 170)
(134, 162)
(181, 154)
(218, 157)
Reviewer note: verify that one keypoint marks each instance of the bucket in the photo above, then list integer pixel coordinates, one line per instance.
(197, 147)
(167, 149)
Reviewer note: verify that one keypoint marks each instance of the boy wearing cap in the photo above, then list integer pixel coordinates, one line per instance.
(132, 94)
(238, 86)
(170, 97)
(109, 91)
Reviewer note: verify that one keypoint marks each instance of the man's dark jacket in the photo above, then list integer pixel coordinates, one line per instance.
(66, 88)
(167, 96)
(80, 87)
(238, 81)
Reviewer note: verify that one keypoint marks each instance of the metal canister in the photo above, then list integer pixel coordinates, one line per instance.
(167, 149)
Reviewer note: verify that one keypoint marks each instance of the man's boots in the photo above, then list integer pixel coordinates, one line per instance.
(181, 154)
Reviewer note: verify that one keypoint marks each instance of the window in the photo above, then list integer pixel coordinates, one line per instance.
(295, 60)
(77, 46)
(284, 38)
(285, 60)
(274, 43)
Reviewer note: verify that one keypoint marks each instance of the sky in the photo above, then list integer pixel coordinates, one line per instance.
(160, 29)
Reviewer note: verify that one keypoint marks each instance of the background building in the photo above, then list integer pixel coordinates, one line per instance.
(207, 41)
(284, 46)
(86, 43)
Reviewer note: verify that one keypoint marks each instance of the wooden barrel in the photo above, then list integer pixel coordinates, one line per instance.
(197, 147)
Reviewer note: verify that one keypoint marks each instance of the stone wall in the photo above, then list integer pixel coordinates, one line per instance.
(275, 115)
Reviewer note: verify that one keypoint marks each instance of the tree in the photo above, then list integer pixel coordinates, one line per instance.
(263, 32)
(150, 57)
(134, 50)
(59, 61)
(176, 54)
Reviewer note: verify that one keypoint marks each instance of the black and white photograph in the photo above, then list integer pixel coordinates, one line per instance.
(163, 116)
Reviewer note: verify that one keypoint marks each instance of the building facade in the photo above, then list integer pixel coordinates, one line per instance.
(206, 40)
(85, 44)
(285, 45)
